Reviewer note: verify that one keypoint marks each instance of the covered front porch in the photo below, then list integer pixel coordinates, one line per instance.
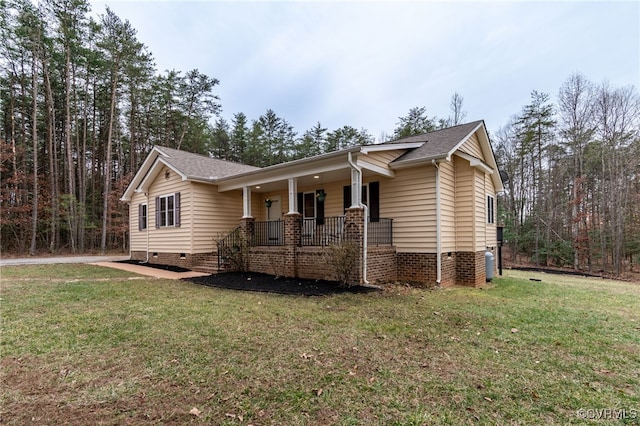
(291, 217)
(318, 232)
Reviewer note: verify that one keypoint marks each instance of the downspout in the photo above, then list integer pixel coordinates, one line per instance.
(148, 210)
(366, 221)
(438, 226)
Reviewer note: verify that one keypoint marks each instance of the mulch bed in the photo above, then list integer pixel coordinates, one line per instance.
(251, 281)
(156, 266)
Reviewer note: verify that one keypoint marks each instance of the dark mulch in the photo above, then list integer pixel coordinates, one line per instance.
(156, 266)
(251, 281)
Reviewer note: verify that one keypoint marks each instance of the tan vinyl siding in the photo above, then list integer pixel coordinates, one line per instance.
(464, 198)
(257, 206)
(381, 158)
(170, 239)
(213, 214)
(333, 201)
(409, 199)
(448, 206)
(481, 211)
(472, 147)
(138, 238)
(491, 228)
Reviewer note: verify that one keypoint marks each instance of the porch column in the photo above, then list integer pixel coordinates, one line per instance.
(354, 233)
(293, 195)
(292, 232)
(247, 229)
(246, 202)
(356, 188)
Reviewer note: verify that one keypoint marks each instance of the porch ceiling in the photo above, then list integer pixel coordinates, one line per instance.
(269, 180)
(305, 180)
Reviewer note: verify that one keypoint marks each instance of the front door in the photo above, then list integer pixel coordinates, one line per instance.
(275, 224)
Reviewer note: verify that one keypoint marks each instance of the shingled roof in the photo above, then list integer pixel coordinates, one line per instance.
(201, 167)
(439, 143)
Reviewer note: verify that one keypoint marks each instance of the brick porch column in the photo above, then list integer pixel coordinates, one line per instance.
(247, 229)
(292, 234)
(354, 232)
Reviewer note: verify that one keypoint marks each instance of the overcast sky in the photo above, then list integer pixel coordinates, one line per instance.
(364, 64)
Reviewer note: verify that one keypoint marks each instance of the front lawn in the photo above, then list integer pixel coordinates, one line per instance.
(89, 345)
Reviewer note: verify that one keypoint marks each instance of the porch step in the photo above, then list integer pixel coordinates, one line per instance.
(206, 269)
(209, 266)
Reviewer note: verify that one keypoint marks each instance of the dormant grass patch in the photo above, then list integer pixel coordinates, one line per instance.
(95, 346)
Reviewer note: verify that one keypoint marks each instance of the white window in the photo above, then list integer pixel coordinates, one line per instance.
(142, 217)
(309, 205)
(491, 210)
(168, 210)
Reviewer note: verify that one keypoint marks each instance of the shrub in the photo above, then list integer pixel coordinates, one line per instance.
(343, 259)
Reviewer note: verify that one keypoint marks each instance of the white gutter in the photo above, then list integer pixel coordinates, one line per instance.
(148, 222)
(366, 219)
(438, 226)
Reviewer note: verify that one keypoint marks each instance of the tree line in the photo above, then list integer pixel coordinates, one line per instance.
(82, 104)
(573, 197)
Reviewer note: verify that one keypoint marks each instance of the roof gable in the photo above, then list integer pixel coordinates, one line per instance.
(437, 144)
(201, 167)
(442, 144)
(186, 164)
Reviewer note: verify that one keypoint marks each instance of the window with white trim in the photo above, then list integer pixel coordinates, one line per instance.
(142, 217)
(491, 219)
(309, 205)
(168, 210)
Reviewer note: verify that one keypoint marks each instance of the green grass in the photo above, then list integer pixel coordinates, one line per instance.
(96, 347)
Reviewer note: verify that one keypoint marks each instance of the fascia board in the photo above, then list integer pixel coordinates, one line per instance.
(476, 162)
(390, 147)
(155, 171)
(490, 158)
(290, 164)
(466, 138)
(143, 171)
(384, 171)
(264, 176)
(418, 161)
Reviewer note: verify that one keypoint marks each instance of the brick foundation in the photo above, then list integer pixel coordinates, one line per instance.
(419, 267)
(382, 264)
(449, 269)
(188, 261)
(470, 268)
(458, 268)
(311, 264)
(268, 260)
